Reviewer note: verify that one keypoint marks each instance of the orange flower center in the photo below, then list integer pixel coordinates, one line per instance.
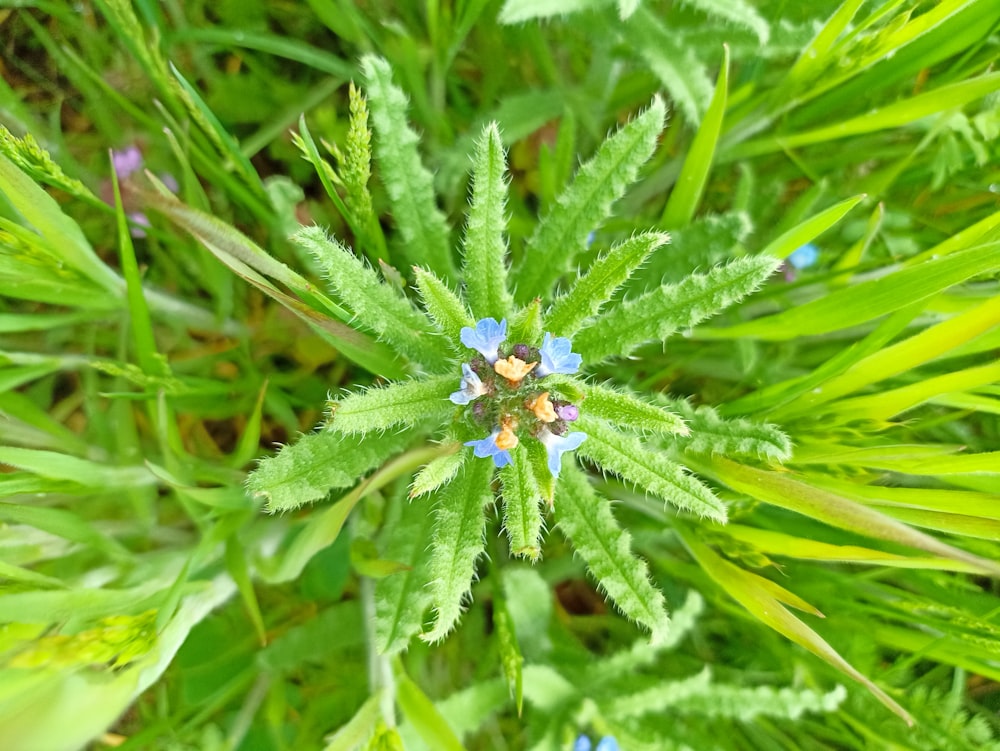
(513, 368)
(543, 408)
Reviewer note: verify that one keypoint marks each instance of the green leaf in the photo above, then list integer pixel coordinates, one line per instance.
(459, 528)
(377, 305)
(628, 412)
(410, 186)
(649, 470)
(766, 601)
(672, 61)
(828, 507)
(382, 407)
(402, 598)
(519, 11)
(561, 235)
(358, 729)
(738, 12)
(444, 306)
(59, 466)
(595, 287)
(510, 653)
(439, 471)
(870, 299)
(65, 524)
(656, 315)
(687, 191)
(522, 513)
(807, 231)
(485, 246)
(710, 433)
(586, 519)
(308, 469)
(424, 716)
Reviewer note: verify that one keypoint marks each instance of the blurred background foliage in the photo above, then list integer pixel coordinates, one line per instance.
(137, 575)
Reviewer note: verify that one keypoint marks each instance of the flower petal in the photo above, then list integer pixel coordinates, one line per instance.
(486, 338)
(557, 356)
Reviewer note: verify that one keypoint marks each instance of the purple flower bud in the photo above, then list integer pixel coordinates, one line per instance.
(568, 412)
(479, 411)
(522, 352)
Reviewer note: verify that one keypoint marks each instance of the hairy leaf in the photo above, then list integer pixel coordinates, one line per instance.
(628, 411)
(485, 246)
(458, 542)
(382, 407)
(594, 288)
(713, 434)
(658, 314)
(443, 305)
(650, 470)
(377, 305)
(410, 186)
(439, 471)
(561, 235)
(308, 469)
(586, 519)
(522, 513)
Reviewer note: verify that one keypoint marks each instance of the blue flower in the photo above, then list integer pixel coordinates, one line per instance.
(582, 744)
(804, 257)
(472, 387)
(488, 447)
(557, 445)
(557, 356)
(607, 743)
(486, 337)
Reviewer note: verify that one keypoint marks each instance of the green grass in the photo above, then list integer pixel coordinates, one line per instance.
(169, 579)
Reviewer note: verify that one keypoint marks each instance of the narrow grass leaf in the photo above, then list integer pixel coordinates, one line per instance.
(629, 412)
(586, 519)
(410, 186)
(485, 245)
(562, 233)
(382, 407)
(808, 230)
(459, 529)
(236, 565)
(65, 524)
(423, 714)
(868, 300)
(521, 503)
(649, 470)
(690, 185)
(354, 733)
(596, 286)
(764, 600)
(656, 315)
(59, 466)
(830, 508)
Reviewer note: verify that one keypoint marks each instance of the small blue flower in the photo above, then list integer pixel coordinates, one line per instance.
(486, 338)
(472, 386)
(607, 743)
(557, 356)
(582, 744)
(804, 257)
(488, 447)
(557, 445)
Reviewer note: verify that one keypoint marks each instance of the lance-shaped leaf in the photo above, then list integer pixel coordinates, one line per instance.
(637, 462)
(458, 542)
(656, 315)
(376, 305)
(586, 519)
(586, 203)
(443, 305)
(713, 434)
(485, 247)
(629, 412)
(522, 515)
(382, 407)
(439, 471)
(402, 598)
(308, 469)
(408, 183)
(603, 277)
(766, 601)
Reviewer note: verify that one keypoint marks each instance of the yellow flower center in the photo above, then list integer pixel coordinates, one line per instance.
(513, 368)
(543, 408)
